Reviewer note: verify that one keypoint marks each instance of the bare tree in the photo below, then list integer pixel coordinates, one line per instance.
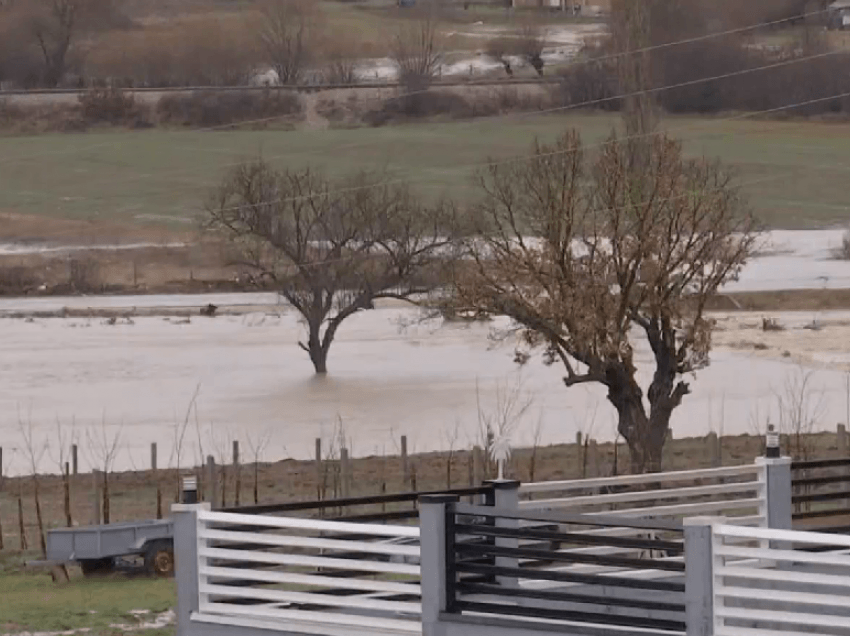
(56, 26)
(417, 50)
(257, 447)
(339, 56)
(801, 407)
(286, 32)
(331, 250)
(103, 447)
(64, 441)
(499, 48)
(530, 45)
(35, 451)
(577, 260)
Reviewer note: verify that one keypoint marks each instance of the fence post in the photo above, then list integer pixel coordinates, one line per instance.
(185, 518)
(713, 442)
(74, 456)
(345, 470)
(435, 559)
(699, 575)
(96, 496)
(405, 465)
(237, 477)
(843, 451)
(212, 482)
(506, 497)
(477, 465)
(319, 476)
(775, 478)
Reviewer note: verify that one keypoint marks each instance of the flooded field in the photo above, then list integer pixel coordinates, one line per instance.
(390, 375)
(136, 381)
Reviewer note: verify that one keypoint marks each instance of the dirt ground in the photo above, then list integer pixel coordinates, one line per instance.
(133, 495)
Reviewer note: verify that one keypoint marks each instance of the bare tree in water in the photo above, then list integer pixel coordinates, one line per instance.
(331, 249)
(579, 260)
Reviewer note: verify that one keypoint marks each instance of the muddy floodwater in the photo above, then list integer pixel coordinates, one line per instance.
(389, 374)
(427, 381)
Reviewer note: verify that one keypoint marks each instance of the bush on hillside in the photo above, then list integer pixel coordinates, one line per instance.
(228, 107)
(112, 106)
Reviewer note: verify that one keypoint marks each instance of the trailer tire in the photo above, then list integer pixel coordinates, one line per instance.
(97, 567)
(159, 558)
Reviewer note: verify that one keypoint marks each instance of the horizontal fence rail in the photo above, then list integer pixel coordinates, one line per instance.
(738, 492)
(821, 494)
(536, 566)
(768, 581)
(308, 571)
(393, 507)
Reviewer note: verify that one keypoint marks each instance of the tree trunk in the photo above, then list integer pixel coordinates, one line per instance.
(319, 358)
(645, 435)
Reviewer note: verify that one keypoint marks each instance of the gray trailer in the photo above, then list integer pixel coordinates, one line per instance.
(95, 548)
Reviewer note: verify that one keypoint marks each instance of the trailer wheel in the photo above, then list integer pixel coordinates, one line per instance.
(96, 567)
(159, 558)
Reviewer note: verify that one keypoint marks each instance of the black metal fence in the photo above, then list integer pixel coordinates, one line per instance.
(385, 508)
(590, 569)
(821, 494)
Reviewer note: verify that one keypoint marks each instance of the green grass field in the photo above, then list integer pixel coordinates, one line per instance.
(794, 172)
(32, 602)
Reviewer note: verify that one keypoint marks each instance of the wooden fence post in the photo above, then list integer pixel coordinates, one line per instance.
(237, 480)
(477, 465)
(842, 440)
(95, 477)
(74, 463)
(319, 475)
(714, 454)
(405, 465)
(66, 495)
(155, 478)
(593, 458)
(345, 468)
(211, 491)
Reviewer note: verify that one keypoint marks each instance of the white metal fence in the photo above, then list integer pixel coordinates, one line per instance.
(769, 581)
(738, 492)
(335, 577)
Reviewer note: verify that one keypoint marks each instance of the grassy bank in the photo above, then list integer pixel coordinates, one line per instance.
(32, 602)
(791, 171)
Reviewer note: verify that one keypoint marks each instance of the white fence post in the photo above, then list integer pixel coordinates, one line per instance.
(775, 476)
(432, 541)
(186, 571)
(699, 575)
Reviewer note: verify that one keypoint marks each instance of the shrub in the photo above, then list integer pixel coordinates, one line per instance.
(591, 83)
(83, 275)
(843, 252)
(227, 107)
(112, 106)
